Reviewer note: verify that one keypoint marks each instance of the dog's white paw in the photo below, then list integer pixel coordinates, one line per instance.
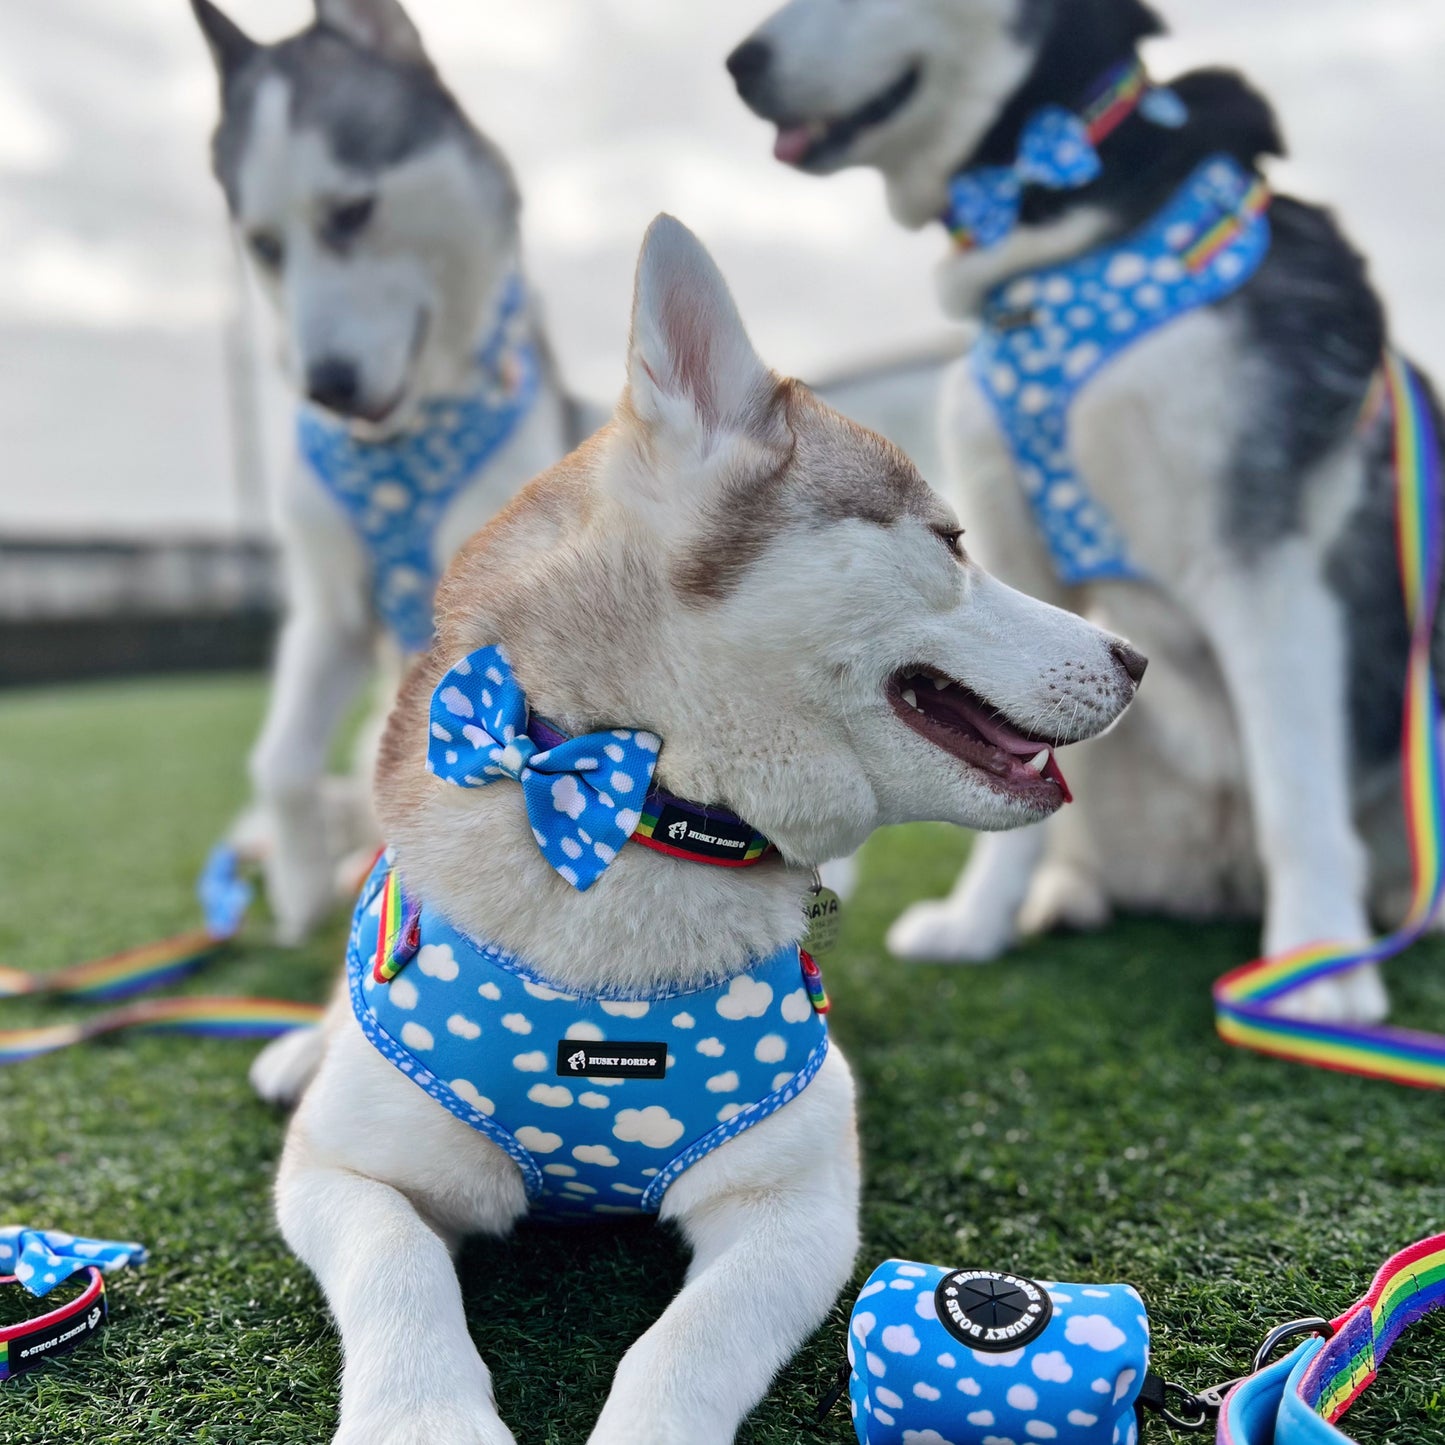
(1063, 896)
(939, 932)
(841, 875)
(284, 1067)
(461, 1424)
(1357, 996)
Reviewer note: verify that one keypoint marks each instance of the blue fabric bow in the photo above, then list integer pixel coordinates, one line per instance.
(584, 796)
(43, 1258)
(1054, 151)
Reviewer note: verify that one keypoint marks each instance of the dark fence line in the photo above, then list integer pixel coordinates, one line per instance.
(78, 609)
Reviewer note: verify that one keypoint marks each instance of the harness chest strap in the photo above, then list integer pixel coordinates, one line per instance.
(601, 1100)
(1047, 333)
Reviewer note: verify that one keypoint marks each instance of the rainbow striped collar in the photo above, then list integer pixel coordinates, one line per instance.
(701, 832)
(1057, 150)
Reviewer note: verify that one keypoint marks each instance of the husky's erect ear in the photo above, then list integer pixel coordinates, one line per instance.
(690, 365)
(230, 46)
(378, 25)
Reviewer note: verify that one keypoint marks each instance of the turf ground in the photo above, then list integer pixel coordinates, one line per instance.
(1068, 1115)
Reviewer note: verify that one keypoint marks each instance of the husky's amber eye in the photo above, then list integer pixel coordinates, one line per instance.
(952, 538)
(266, 247)
(349, 220)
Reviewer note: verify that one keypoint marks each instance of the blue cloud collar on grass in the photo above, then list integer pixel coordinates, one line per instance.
(40, 1259)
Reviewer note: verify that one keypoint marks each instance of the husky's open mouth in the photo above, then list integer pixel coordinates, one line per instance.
(805, 143)
(951, 717)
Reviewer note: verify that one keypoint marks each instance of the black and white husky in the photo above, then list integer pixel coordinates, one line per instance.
(384, 227)
(1260, 770)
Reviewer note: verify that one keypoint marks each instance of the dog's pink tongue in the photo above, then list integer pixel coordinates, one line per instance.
(792, 143)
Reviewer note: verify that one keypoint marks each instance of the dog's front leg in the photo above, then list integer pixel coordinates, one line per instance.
(412, 1375)
(1281, 646)
(772, 1219)
(320, 665)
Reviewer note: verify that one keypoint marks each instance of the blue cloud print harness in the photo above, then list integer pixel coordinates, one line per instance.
(1048, 332)
(602, 1100)
(395, 492)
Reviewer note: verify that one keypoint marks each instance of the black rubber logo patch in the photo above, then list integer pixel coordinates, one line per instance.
(577, 1058)
(707, 837)
(991, 1311)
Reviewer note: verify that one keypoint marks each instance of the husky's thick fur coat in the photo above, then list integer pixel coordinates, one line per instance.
(776, 593)
(1231, 448)
(384, 228)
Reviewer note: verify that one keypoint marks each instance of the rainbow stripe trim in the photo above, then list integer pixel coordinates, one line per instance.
(209, 1017)
(1123, 90)
(1219, 236)
(1243, 996)
(1407, 1287)
(399, 936)
(813, 982)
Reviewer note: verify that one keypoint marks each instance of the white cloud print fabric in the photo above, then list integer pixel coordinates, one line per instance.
(482, 1034)
(913, 1383)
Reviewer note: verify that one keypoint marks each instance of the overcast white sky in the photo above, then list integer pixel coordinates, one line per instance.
(116, 275)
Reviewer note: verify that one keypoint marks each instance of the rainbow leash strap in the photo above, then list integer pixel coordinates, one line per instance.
(224, 897)
(1243, 997)
(1298, 1400)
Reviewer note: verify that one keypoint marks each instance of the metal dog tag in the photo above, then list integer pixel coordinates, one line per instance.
(825, 917)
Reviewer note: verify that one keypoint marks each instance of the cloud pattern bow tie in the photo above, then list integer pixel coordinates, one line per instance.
(43, 1258)
(1054, 151)
(583, 796)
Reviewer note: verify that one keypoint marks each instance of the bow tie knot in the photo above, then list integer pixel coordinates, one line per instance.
(513, 758)
(1054, 151)
(584, 796)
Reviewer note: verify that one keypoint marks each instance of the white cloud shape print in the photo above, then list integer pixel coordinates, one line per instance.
(652, 1126)
(554, 1096)
(1051, 1365)
(746, 998)
(596, 1154)
(437, 960)
(539, 1141)
(1098, 1332)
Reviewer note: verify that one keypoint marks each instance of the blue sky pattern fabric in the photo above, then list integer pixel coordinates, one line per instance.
(583, 797)
(1046, 333)
(505, 1051)
(1054, 151)
(396, 491)
(40, 1259)
(913, 1383)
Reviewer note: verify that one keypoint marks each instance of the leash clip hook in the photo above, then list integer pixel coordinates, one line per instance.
(1204, 1405)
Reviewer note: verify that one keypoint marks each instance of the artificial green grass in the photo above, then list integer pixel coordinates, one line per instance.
(1067, 1114)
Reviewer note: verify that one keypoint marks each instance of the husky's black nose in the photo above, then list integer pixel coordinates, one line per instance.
(334, 384)
(1132, 661)
(748, 64)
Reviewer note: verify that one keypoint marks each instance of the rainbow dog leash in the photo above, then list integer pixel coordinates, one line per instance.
(1243, 997)
(224, 896)
(1298, 1400)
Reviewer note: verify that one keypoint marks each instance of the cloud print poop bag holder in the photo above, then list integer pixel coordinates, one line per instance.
(975, 1356)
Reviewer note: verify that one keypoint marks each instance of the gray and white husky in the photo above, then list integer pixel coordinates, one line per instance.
(1260, 771)
(384, 228)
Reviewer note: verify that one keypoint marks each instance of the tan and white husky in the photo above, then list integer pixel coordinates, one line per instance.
(778, 595)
